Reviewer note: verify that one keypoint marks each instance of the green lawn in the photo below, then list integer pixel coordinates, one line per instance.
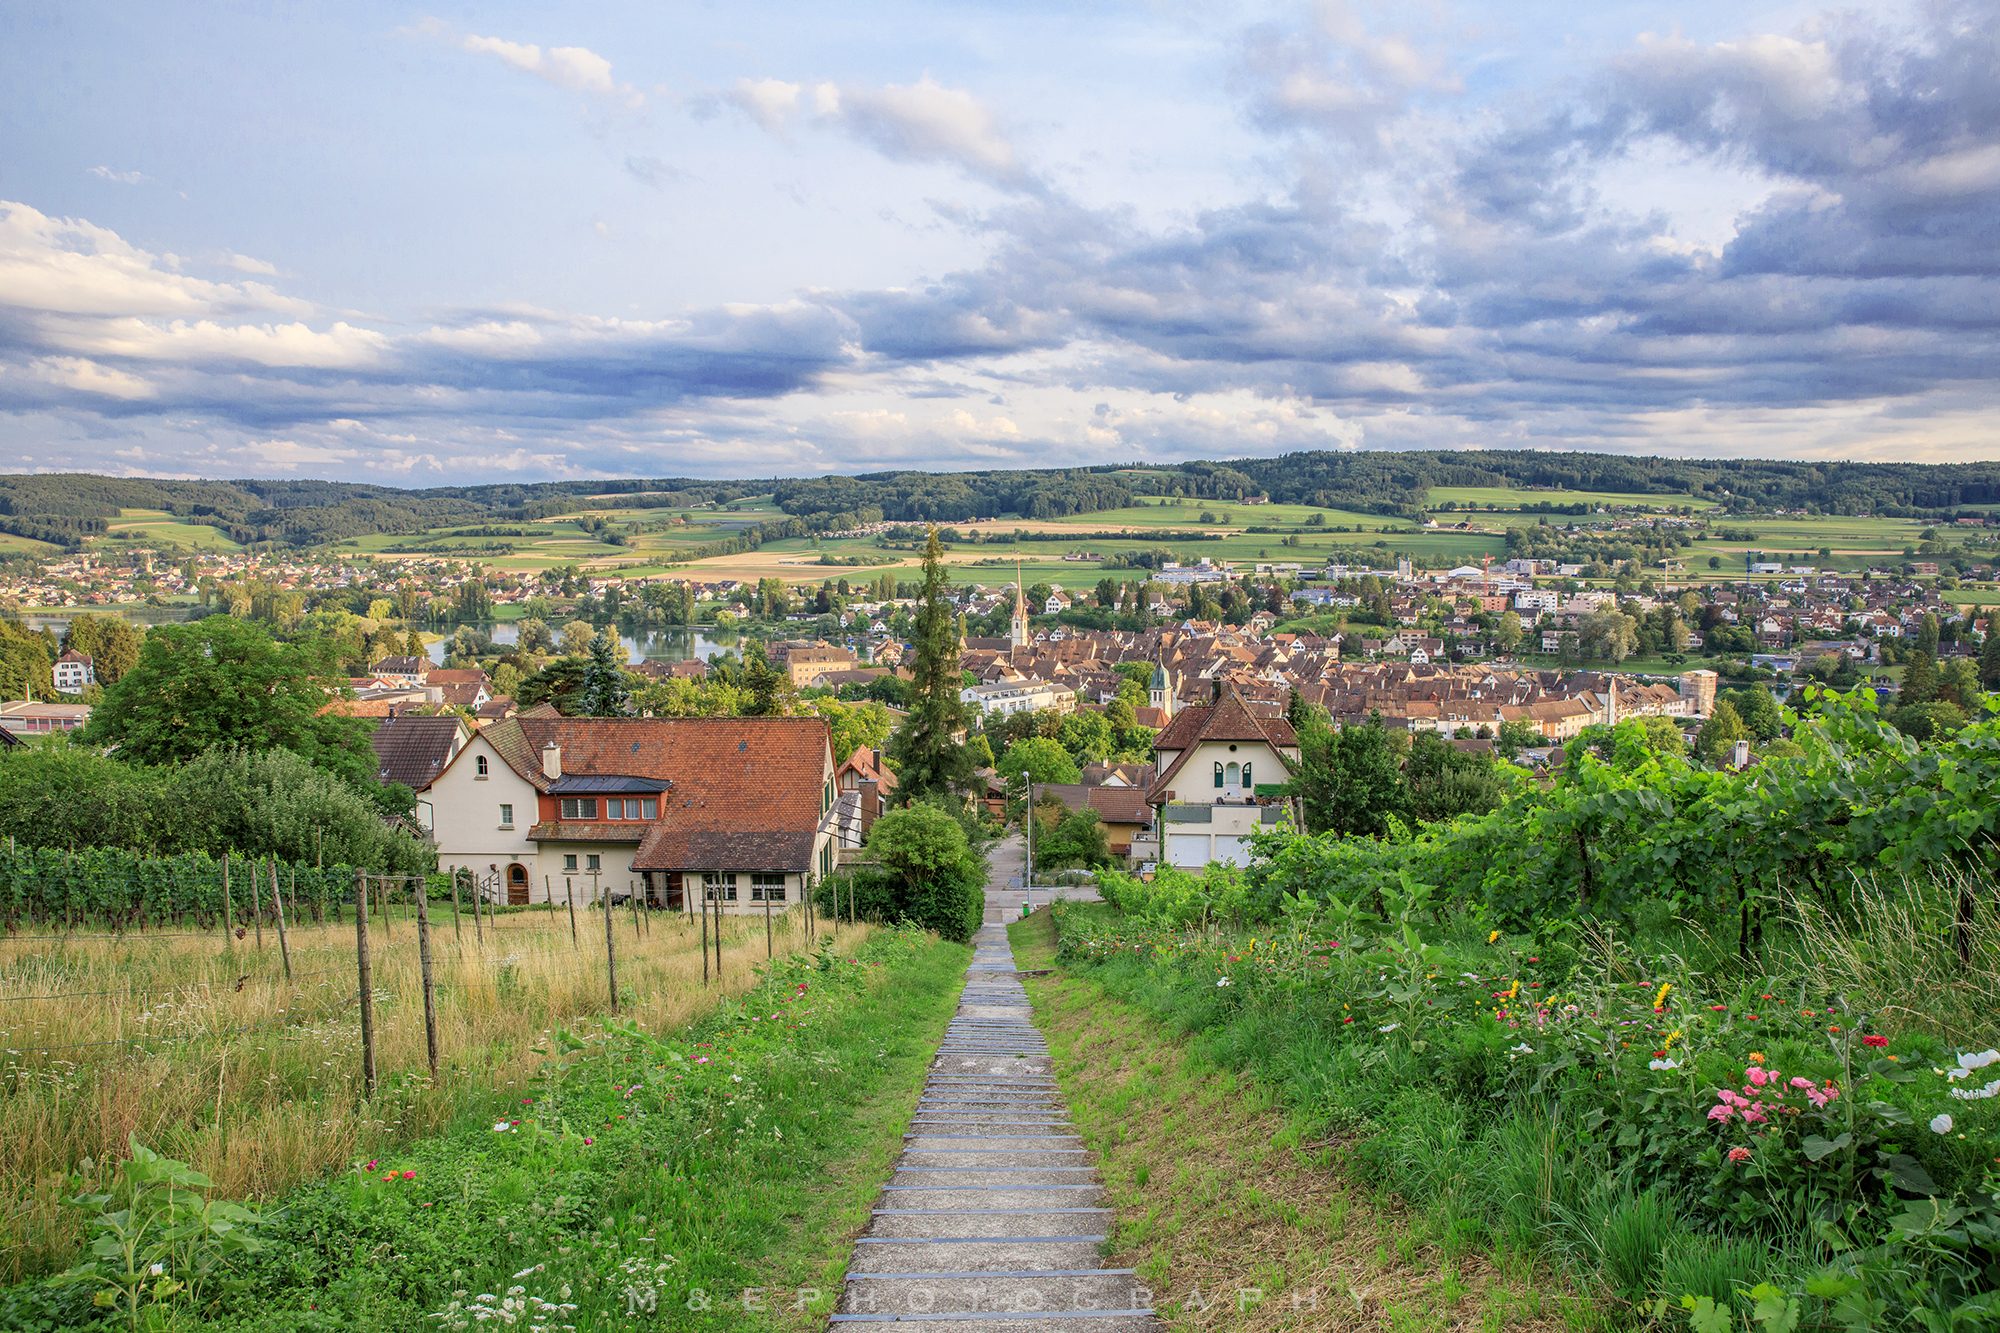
(27, 545)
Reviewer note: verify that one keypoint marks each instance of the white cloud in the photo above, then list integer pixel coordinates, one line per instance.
(295, 345)
(770, 102)
(245, 264)
(121, 177)
(916, 122)
(68, 266)
(577, 68)
(74, 372)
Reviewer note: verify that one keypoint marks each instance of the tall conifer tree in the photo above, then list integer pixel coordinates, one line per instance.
(930, 760)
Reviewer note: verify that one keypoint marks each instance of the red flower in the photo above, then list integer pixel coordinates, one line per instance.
(1874, 1041)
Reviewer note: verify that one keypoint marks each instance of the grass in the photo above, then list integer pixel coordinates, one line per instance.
(152, 1045)
(1507, 498)
(159, 526)
(1227, 1211)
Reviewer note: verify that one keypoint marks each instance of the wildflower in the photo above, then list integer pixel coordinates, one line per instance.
(409, 1175)
(1756, 1057)
(500, 1128)
(1739, 1154)
(1224, 982)
(1872, 1040)
(1759, 1076)
(1494, 936)
(1388, 1027)
(1941, 1124)
(588, 1142)
(1660, 1000)
(1663, 1064)
(1523, 1048)
(1968, 1063)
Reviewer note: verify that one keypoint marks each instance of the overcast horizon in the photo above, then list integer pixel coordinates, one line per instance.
(512, 243)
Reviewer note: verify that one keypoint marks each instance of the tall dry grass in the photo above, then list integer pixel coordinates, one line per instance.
(1891, 950)
(258, 1083)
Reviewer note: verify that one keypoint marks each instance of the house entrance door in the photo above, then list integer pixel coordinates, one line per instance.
(517, 885)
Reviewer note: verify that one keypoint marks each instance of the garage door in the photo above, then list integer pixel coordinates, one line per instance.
(1187, 849)
(1232, 851)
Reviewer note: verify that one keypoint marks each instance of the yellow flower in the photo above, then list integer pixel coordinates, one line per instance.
(1672, 1037)
(1494, 936)
(1661, 998)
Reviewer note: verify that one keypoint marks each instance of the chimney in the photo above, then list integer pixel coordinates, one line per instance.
(552, 761)
(871, 804)
(1742, 755)
(878, 761)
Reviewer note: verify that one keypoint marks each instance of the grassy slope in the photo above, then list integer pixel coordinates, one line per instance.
(1231, 1219)
(722, 1214)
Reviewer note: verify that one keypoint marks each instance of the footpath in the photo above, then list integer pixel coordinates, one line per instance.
(992, 1221)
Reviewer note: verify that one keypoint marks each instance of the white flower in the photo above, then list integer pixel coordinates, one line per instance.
(1968, 1063)
(736, 1078)
(1941, 1124)
(1663, 1064)
(1223, 982)
(1977, 1094)
(1523, 1048)
(1388, 1027)
(159, 1269)
(500, 1128)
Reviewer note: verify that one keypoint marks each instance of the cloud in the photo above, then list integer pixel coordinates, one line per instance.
(121, 177)
(652, 171)
(917, 122)
(1781, 243)
(576, 68)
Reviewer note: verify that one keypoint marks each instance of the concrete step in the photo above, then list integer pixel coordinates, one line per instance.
(1008, 1254)
(925, 1224)
(922, 1294)
(947, 1198)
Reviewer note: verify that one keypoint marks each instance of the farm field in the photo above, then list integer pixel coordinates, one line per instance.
(1487, 497)
(1187, 514)
(196, 1043)
(9, 543)
(160, 526)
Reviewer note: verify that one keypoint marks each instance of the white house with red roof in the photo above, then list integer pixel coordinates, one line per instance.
(733, 810)
(1207, 767)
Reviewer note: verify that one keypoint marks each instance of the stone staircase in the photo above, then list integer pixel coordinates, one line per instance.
(992, 1221)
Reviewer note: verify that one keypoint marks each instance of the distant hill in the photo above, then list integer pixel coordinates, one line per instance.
(68, 508)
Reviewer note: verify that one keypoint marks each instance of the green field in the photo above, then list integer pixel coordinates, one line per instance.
(11, 544)
(1487, 497)
(156, 525)
(1187, 514)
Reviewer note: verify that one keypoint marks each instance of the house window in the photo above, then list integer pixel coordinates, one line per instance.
(1218, 772)
(1232, 776)
(767, 888)
(506, 816)
(590, 862)
(579, 808)
(720, 887)
(634, 808)
(479, 765)
(569, 861)
(1246, 775)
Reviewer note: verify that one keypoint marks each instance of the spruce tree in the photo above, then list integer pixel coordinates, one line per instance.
(603, 692)
(930, 759)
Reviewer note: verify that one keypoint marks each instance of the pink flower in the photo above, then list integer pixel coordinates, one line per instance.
(1758, 1075)
(1739, 1154)
(1722, 1113)
(1874, 1041)
(409, 1175)
(1755, 1115)
(1804, 1083)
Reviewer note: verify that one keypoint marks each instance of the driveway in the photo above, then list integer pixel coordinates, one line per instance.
(1005, 891)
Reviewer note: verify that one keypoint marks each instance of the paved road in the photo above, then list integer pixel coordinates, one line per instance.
(1004, 891)
(992, 1220)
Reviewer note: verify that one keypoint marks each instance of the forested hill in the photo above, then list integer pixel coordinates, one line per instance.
(69, 507)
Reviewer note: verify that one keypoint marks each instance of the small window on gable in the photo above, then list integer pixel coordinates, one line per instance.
(1232, 776)
(1218, 772)
(479, 764)
(1246, 775)
(506, 816)
(579, 807)
(649, 808)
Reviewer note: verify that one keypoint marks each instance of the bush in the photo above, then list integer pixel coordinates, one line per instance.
(929, 875)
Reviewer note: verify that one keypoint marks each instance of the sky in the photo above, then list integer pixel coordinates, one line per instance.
(427, 246)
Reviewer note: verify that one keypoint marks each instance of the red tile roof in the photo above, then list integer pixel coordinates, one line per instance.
(746, 792)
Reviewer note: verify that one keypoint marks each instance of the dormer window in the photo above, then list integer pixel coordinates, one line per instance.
(479, 765)
(583, 808)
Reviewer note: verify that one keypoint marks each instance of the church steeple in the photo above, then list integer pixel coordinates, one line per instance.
(1017, 633)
